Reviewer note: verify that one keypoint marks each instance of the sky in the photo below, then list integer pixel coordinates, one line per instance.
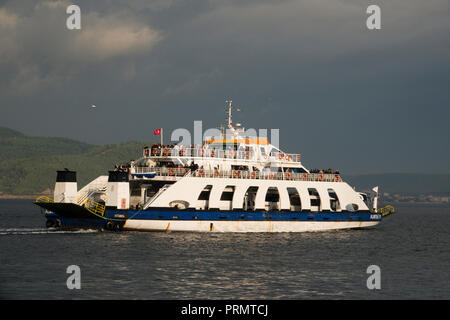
(343, 96)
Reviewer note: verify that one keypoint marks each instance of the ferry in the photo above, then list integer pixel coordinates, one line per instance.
(229, 183)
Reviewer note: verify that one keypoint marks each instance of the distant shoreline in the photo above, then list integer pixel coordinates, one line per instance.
(14, 196)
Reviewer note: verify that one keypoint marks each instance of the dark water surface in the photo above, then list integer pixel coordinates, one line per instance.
(412, 248)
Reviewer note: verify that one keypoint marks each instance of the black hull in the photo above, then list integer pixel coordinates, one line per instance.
(67, 210)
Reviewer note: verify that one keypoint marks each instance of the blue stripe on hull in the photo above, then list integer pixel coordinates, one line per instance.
(241, 215)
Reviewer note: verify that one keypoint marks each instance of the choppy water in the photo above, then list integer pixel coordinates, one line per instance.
(412, 248)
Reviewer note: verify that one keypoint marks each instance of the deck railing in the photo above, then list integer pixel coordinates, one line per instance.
(239, 174)
(218, 154)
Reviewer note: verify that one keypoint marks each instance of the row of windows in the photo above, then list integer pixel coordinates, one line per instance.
(273, 196)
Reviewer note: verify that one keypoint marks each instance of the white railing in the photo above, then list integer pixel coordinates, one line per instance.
(218, 154)
(161, 171)
(240, 174)
(285, 156)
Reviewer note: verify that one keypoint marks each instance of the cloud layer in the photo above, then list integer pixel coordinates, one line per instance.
(342, 95)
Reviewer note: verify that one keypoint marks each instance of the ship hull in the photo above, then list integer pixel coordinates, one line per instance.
(214, 221)
(244, 226)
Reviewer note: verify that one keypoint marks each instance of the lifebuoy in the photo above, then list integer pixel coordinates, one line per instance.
(288, 175)
(305, 177)
(288, 158)
(172, 172)
(280, 156)
(247, 155)
(216, 173)
(253, 174)
(271, 176)
(146, 152)
(236, 174)
(337, 178)
(321, 177)
(200, 173)
(213, 153)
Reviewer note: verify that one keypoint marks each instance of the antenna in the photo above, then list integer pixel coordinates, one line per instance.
(230, 123)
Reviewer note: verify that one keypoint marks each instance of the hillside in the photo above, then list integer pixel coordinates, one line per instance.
(28, 166)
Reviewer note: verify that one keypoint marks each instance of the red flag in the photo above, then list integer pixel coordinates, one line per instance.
(157, 132)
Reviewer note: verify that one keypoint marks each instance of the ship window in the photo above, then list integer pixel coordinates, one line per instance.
(227, 194)
(314, 196)
(249, 198)
(263, 151)
(204, 195)
(272, 195)
(294, 197)
(334, 200)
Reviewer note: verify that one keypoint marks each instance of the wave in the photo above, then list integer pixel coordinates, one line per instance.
(30, 231)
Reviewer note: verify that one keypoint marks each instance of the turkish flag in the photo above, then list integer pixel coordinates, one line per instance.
(157, 132)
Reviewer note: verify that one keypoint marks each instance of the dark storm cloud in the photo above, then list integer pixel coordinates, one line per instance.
(342, 95)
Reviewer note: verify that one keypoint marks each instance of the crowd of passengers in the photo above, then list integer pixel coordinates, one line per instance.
(123, 167)
(166, 150)
(157, 148)
(329, 171)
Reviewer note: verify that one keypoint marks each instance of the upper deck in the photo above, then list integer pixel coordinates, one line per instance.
(218, 154)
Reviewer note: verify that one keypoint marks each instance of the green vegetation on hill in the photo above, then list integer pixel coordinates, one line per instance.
(28, 165)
